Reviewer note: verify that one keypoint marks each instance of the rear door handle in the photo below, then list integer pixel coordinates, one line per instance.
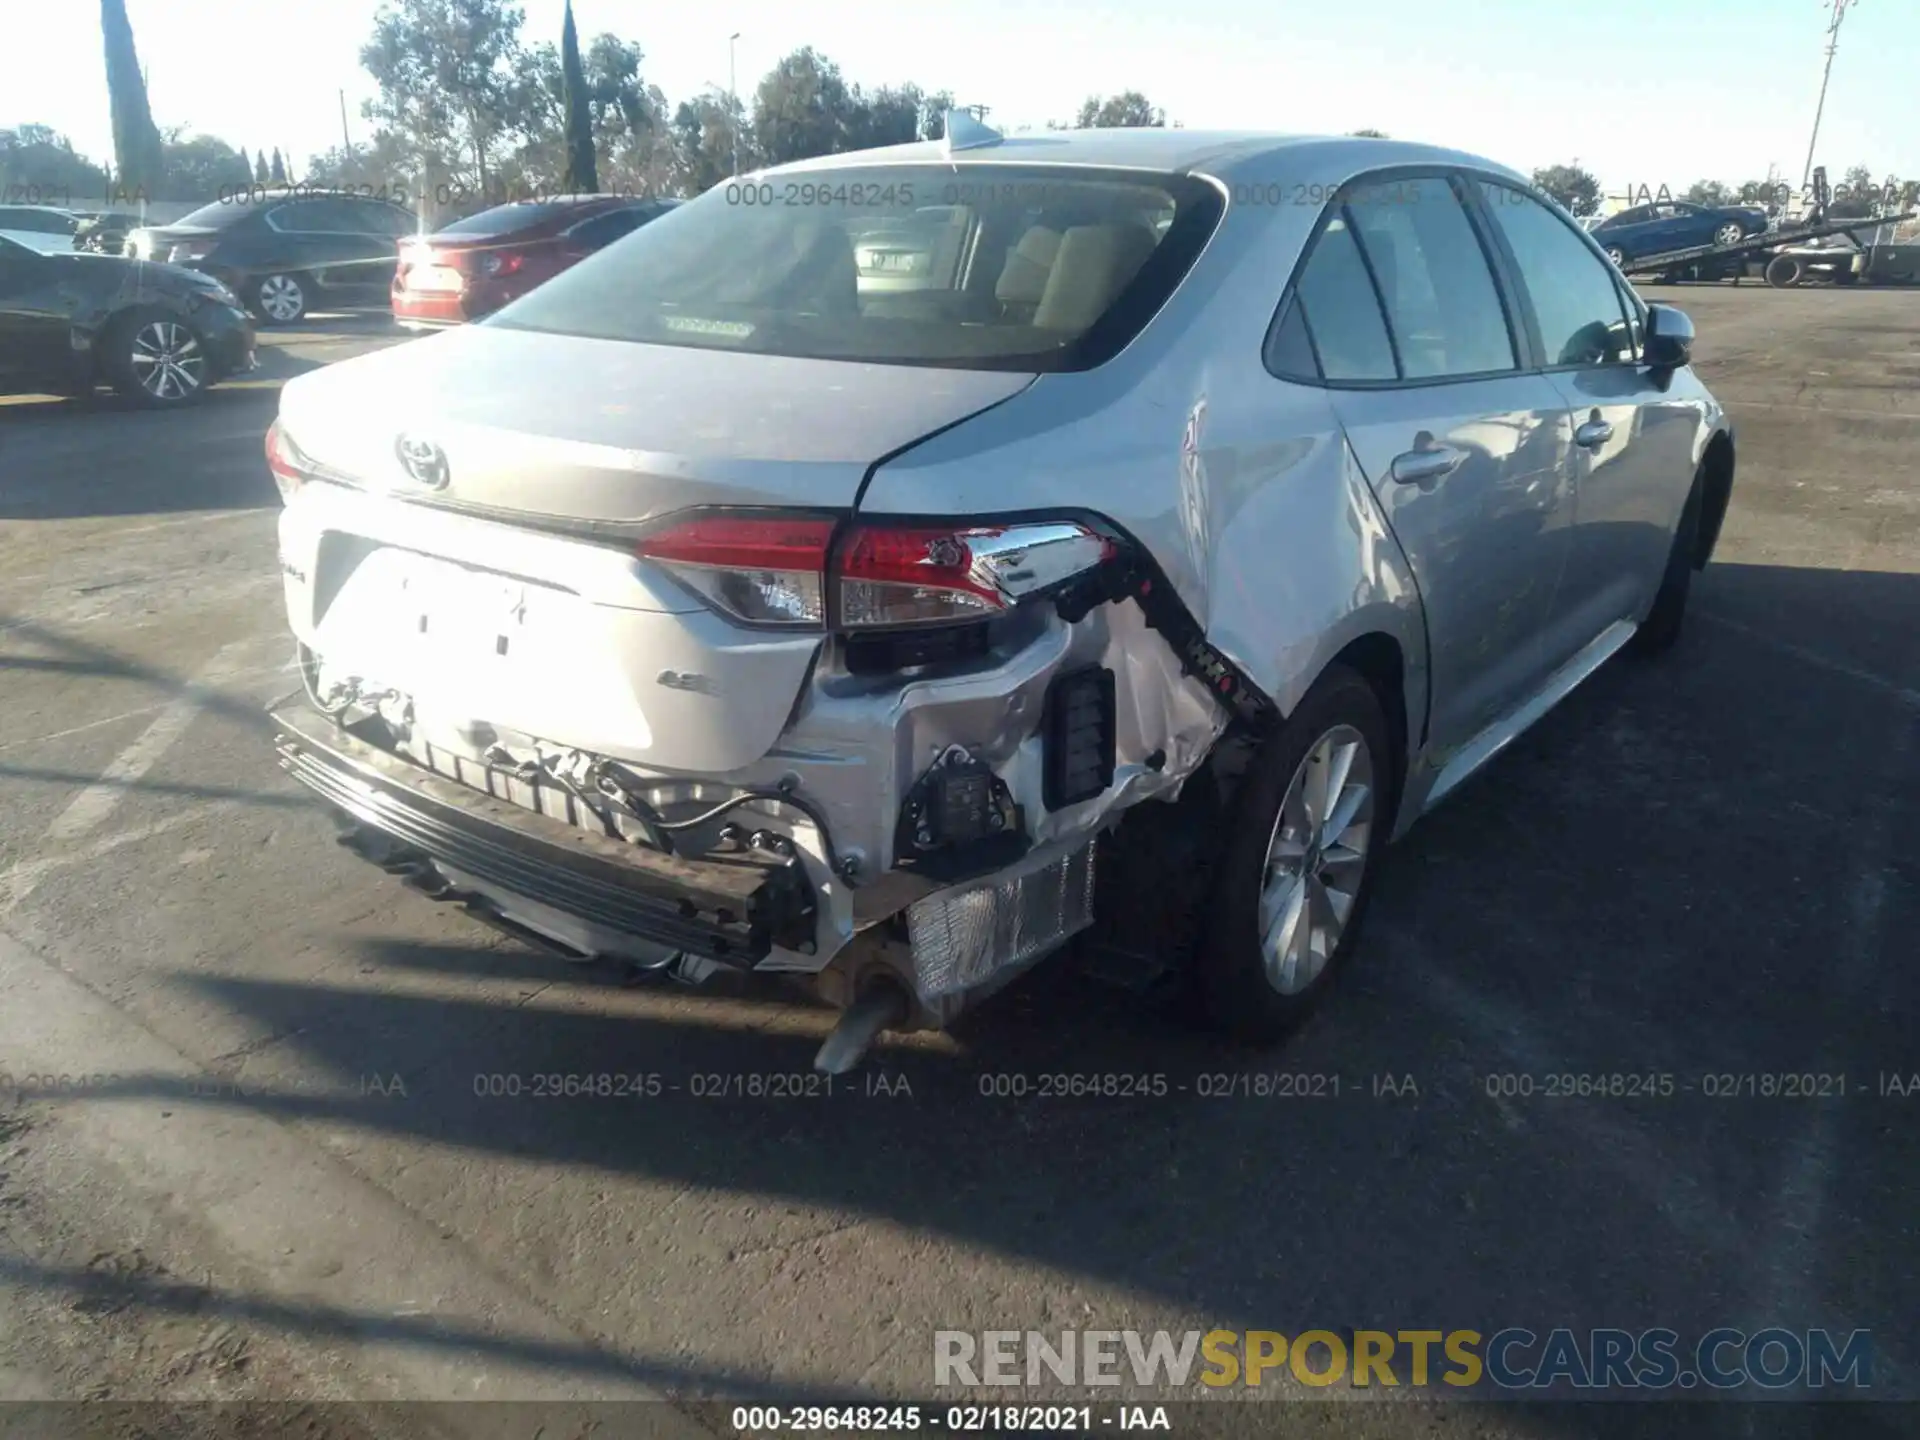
(1593, 434)
(1423, 467)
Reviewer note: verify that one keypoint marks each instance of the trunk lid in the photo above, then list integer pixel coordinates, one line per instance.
(573, 641)
(582, 428)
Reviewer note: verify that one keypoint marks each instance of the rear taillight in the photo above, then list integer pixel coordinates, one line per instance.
(766, 570)
(772, 570)
(290, 468)
(501, 262)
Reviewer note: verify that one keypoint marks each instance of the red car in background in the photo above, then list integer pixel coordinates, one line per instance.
(474, 266)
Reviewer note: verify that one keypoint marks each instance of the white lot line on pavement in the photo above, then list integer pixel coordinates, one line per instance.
(20, 880)
(325, 1255)
(286, 667)
(1891, 689)
(99, 800)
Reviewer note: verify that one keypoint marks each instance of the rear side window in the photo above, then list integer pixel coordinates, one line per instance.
(976, 266)
(1433, 277)
(605, 229)
(329, 217)
(378, 218)
(42, 222)
(1575, 294)
(502, 219)
(1341, 310)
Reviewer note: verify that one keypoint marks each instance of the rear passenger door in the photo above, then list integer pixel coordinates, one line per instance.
(1633, 440)
(329, 239)
(1404, 319)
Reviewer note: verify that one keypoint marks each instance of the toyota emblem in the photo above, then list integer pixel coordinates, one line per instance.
(424, 462)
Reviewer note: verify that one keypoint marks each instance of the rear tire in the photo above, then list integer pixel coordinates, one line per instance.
(1785, 271)
(1313, 813)
(1659, 632)
(279, 299)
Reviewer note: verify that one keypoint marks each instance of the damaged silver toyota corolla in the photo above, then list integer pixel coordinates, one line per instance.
(887, 568)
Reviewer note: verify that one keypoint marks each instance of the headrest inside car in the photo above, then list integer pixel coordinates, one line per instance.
(1093, 266)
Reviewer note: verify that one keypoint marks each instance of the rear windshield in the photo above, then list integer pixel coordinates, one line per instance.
(503, 218)
(219, 213)
(978, 267)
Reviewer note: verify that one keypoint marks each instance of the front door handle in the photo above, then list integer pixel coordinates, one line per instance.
(1423, 467)
(1593, 434)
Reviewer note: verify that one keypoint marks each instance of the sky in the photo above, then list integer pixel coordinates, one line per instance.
(1641, 92)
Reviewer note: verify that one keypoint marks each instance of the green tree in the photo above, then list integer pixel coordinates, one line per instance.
(1127, 109)
(136, 141)
(260, 171)
(1762, 192)
(627, 117)
(703, 134)
(37, 161)
(277, 169)
(803, 108)
(897, 115)
(1855, 195)
(1370, 134)
(445, 79)
(1708, 192)
(202, 168)
(581, 177)
(1576, 189)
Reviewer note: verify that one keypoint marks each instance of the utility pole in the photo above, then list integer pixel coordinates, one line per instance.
(1833, 44)
(733, 101)
(346, 140)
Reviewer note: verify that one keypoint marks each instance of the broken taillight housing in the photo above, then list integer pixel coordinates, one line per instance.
(765, 570)
(774, 570)
(290, 468)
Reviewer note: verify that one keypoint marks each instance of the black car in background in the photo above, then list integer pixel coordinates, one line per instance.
(38, 227)
(285, 253)
(72, 322)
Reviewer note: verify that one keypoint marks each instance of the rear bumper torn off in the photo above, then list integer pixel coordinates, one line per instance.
(732, 911)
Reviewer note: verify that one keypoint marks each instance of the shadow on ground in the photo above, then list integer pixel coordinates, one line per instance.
(1702, 868)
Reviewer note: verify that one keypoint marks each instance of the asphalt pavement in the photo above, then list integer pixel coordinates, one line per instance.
(288, 1129)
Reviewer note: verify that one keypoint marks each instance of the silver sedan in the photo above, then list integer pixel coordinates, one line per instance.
(890, 568)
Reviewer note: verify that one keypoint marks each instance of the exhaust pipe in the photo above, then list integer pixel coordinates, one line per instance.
(882, 1005)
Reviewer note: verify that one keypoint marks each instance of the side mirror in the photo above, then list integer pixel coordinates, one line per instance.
(1669, 338)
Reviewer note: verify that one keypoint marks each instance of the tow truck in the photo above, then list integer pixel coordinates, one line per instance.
(1792, 258)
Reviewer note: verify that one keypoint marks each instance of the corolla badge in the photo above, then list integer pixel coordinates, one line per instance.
(424, 462)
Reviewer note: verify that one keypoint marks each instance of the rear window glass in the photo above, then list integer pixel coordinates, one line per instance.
(225, 212)
(46, 222)
(502, 218)
(980, 267)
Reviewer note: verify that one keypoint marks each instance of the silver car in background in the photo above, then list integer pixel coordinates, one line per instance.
(888, 568)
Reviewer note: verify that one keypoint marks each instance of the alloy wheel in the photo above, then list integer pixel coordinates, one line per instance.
(1728, 234)
(1316, 859)
(167, 360)
(280, 297)
(1618, 257)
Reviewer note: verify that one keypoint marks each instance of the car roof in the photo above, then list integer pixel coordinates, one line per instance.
(1206, 152)
(40, 210)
